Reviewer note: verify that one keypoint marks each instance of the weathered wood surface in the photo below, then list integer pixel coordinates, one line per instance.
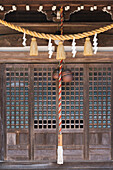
(24, 57)
(47, 6)
(7, 2)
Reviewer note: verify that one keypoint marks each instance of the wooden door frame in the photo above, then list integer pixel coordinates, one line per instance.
(86, 112)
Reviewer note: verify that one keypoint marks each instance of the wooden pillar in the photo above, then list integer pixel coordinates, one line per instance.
(112, 112)
(2, 15)
(31, 111)
(86, 112)
(1, 119)
(1, 114)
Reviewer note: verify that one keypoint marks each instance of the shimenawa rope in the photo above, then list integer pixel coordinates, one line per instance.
(57, 37)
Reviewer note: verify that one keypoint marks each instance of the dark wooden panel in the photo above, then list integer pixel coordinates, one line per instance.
(72, 155)
(73, 139)
(67, 139)
(99, 154)
(17, 147)
(45, 147)
(17, 154)
(100, 139)
(106, 139)
(93, 139)
(77, 139)
(45, 155)
(45, 139)
(51, 139)
(40, 139)
(23, 139)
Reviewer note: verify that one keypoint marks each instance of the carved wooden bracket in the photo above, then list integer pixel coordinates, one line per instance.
(2, 15)
(111, 14)
(52, 15)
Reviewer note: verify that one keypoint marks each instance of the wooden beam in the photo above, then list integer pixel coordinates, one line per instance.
(23, 57)
(6, 2)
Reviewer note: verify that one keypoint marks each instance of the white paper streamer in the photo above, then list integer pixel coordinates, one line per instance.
(74, 48)
(50, 48)
(95, 48)
(60, 155)
(24, 40)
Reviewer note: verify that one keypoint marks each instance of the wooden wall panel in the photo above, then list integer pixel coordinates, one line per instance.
(45, 155)
(72, 155)
(23, 138)
(20, 154)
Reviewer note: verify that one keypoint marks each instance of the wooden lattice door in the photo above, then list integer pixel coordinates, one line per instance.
(100, 111)
(45, 112)
(31, 112)
(16, 93)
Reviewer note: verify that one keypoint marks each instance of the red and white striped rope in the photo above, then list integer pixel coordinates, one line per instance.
(60, 73)
(60, 90)
(61, 19)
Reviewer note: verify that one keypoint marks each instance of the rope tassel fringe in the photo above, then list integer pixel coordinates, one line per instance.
(33, 47)
(88, 51)
(60, 52)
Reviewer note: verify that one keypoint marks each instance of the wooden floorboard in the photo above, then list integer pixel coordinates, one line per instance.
(53, 166)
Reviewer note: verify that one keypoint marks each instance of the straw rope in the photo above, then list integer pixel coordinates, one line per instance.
(57, 37)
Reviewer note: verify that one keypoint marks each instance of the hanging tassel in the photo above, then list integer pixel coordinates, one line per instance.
(88, 51)
(33, 47)
(60, 52)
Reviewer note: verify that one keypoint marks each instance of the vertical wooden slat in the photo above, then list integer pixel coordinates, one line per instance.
(1, 120)
(31, 111)
(3, 111)
(86, 112)
(112, 111)
(1, 114)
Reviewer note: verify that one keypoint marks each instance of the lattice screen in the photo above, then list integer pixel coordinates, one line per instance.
(45, 108)
(100, 97)
(44, 98)
(72, 100)
(17, 97)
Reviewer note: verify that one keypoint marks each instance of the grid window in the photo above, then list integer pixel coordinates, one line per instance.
(100, 97)
(16, 97)
(45, 108)
(72, 101)
(44, 98)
